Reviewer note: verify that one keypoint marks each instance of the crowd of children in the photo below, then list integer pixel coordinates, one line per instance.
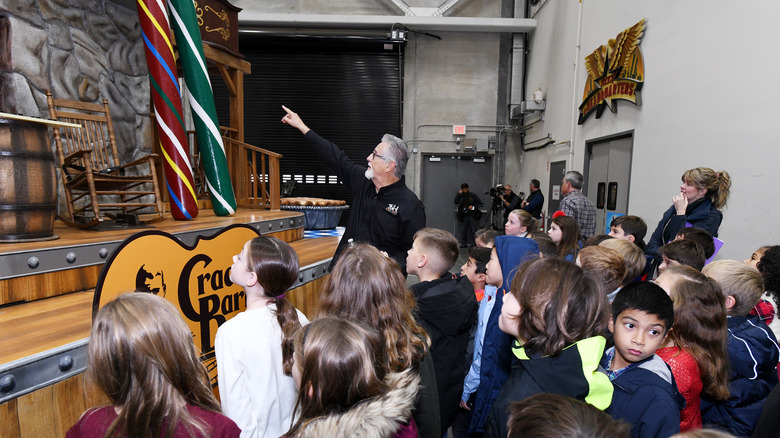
(538, 334)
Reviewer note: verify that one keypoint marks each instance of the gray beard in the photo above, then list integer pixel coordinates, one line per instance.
(369, 173)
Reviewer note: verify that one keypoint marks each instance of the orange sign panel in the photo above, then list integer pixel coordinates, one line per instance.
(615, 71)
(195, 279)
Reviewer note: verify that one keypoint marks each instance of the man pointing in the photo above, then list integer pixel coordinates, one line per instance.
(385, 213)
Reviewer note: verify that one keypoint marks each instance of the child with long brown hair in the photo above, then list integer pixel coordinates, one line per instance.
(141, 355)
(695, 348)
(254, 349)
(556, 313)
(345, 388)
(368, 287)
(565, 232)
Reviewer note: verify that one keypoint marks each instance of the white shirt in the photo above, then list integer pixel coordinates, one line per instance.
(253, 389)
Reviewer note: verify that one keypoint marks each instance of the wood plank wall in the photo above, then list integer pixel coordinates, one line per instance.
(49, 411)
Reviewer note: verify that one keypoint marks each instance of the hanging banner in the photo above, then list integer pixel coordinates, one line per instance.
(615, 72)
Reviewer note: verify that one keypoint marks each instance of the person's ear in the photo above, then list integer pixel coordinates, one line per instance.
(481, 278)
(251, 279)
(310, 392)
(611, 325)
(631, 238)
(422, 261)
(730, 301)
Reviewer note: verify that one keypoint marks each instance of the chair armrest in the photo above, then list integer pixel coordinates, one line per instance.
(136, 162)
(76, 156)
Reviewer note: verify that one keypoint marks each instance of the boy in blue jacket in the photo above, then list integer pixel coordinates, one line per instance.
(645, 393)
(752, 348)
(496, 352)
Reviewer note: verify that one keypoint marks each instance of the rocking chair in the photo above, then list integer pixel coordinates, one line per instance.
(97, 186)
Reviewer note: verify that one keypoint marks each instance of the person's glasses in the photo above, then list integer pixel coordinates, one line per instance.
(375, 155)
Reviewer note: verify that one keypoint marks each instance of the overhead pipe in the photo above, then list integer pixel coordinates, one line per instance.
(248, 20)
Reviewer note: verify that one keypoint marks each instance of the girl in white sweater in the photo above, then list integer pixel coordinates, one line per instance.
(255, 348)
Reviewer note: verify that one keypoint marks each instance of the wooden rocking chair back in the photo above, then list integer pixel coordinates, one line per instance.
(96, 184)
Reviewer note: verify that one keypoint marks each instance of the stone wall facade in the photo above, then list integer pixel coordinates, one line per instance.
(82, 50)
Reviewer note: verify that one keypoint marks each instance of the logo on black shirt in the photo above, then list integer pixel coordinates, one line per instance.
(392, 209)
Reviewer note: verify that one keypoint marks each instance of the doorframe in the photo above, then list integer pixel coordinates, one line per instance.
(606, 138)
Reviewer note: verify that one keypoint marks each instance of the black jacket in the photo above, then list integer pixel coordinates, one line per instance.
(574, 373)
(535, 203)
(387, 219)
(465, 201)
(447, 309)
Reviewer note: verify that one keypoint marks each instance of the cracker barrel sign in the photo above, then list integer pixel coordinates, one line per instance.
(196, 279)
(616, 71)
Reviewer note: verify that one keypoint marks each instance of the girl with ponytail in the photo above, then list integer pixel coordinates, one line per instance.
(255, 348)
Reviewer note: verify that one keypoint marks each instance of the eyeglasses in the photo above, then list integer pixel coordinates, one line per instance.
(375, 155)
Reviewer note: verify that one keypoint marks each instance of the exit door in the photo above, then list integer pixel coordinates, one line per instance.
(441, 178)
(608, 175)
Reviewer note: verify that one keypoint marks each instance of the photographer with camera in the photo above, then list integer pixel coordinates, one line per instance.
(468, 214)
(509, 200)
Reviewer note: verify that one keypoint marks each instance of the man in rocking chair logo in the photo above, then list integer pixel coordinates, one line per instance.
(468, 214)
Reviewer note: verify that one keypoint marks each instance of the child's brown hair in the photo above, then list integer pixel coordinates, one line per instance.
(633, 256)
(684, 252)
(559, 305)
(701, 326)
(702, 237)
(632, 225)
(605, 264)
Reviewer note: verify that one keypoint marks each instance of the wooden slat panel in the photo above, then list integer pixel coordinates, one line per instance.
(35, 287)
(68, 403)
(36, 413)
(9, 419)
(306, 297)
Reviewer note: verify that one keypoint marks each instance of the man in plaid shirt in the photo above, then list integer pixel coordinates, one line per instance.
(577, 205)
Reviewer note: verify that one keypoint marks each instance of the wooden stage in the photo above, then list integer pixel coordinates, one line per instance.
(46, 294)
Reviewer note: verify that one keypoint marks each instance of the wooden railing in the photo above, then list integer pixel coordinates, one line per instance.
(255, 174)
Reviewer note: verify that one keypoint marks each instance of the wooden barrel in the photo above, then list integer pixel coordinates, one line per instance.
(28, 182)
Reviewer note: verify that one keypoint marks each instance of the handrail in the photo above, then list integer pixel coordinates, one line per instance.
(255, 174)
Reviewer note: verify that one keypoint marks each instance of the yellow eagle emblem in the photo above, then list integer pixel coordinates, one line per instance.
(615, 71)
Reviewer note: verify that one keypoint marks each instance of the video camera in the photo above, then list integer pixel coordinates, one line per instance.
(495, 195)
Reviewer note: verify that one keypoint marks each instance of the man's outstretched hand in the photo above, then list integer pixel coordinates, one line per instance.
(292, 119)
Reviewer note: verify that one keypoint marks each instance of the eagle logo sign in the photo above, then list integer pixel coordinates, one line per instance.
(615, 71)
